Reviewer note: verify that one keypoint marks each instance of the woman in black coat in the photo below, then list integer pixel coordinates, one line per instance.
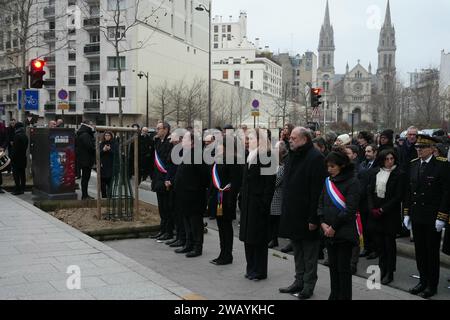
(107, 150)
(338, 222)
(227, 177)
(257, 190)
(385, 193)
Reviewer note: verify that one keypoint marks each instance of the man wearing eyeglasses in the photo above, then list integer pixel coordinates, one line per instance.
(426, 212)
(407, 152)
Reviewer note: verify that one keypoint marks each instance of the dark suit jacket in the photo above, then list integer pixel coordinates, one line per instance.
(427, 197)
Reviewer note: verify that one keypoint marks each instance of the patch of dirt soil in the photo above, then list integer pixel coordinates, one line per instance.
(85, 219)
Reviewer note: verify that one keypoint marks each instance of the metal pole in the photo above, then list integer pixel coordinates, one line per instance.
(99, 194)
(209, 69)
(146, 121)
(136, 175)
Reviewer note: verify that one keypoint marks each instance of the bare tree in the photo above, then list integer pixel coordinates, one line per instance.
(195, 99)
(162, 102)
(426, 99)
(123, 20)
(177, 100)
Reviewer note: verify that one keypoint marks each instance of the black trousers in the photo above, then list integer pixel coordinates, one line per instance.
(427, 243)
(370, 242)
(193, 224)
(274, 224)
(256, 256)
(226, 238)
(105, 186)
(387, 250)
(19, 178)
(85, 176)
(176, 212)
(339, 256)
(1, 179)
(164, 212)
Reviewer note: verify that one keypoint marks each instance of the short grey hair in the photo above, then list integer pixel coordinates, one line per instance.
(412, 128)
(304, 132)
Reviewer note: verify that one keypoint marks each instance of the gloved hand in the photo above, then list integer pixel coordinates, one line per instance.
(439, 225)
(376, 213)
(407, 222)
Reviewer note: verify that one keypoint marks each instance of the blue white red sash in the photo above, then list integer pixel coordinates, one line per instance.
(339, 201)
(216, 183)
(335, 195)
(159, 164)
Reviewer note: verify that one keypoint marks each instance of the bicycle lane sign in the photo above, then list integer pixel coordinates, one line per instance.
(31, 99)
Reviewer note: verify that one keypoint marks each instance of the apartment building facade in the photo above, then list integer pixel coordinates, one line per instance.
(166, 39)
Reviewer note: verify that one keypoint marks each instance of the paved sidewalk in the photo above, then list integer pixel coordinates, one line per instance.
(36, 250)
(228, 282)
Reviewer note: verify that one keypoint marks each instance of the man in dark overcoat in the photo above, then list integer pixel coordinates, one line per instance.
(304, 177)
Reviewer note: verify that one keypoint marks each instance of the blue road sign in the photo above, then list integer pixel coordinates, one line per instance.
(31, 99)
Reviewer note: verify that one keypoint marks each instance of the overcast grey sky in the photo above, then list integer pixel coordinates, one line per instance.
(422, 28)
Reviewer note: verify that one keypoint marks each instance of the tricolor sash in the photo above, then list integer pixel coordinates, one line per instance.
(338, 200)
(220, 191)
(159, 164)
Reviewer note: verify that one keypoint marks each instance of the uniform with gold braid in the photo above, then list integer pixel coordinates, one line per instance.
(427, 204)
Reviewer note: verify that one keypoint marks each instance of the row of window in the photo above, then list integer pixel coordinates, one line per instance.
(237, 74)
(225, 28)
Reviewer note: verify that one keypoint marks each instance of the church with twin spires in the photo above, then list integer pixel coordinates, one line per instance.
(359, 90)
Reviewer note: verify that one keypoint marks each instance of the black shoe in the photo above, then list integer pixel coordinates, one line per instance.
(214, 261)
(165, 237)
(304, 296)
(156, 236)
(417, 289)
(171, 241)
(273, 244)
(258, 278)
(428, 292)
(212, 218)
(87, 198)
(287, 248)
(178, 244)
(1, 191)
(223, 262)
(183, 250)
(16, 193)
(372, 256)
(293, 288)
(387, 279)
(193, 254)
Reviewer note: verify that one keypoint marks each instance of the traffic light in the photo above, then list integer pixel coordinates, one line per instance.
(37, 73)
(315, 97)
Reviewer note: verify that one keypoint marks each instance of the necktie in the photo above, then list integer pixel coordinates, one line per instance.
(423, 165)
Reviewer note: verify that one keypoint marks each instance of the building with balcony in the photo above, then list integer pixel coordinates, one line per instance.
(80, 58)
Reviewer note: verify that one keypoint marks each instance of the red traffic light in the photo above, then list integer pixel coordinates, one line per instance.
(37, 64)
(316, 91)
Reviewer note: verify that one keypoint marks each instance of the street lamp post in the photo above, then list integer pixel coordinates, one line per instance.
(202, 7)
(146, 75)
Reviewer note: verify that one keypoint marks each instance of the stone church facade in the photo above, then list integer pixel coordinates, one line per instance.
(359, 91)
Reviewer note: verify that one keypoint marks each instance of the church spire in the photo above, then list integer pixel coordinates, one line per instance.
(326, 21)
(387, 19)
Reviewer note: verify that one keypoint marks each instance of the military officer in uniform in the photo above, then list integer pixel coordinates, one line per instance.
(426, 211)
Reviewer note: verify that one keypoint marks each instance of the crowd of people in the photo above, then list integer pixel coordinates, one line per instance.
(350, 196)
